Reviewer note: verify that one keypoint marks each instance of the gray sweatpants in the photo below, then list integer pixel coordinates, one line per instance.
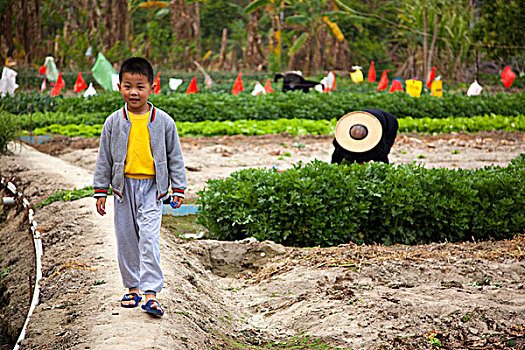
(138, 217)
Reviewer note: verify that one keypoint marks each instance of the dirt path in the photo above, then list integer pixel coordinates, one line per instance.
(221, 295)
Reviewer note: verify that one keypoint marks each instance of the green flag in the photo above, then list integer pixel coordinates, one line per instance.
(102, 71)
(51, 69)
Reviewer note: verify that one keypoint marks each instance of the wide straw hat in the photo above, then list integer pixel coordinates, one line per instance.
(374, 131)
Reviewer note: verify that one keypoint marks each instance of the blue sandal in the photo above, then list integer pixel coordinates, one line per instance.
(155, 312)
(131, 297)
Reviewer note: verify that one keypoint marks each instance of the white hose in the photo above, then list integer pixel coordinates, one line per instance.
(38, 257)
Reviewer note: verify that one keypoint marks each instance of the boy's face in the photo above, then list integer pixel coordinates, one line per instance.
(135, 90)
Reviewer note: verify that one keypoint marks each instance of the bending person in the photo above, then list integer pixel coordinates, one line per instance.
(364, 136)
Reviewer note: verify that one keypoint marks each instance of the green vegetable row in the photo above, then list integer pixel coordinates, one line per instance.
(68, 195)
(326, 204)
(307, 127)
(222, 107)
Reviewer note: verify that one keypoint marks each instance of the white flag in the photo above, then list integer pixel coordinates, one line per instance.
(474, 89)
(90, 91)
(8, 82)
(331, 80)
(258, 89)
(174, 83)
(115, 80)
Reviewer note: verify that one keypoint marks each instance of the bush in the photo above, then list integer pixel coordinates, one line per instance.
(8, 129)
(326, 205)
(221, 107)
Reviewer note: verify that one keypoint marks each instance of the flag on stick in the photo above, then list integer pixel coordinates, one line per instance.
(51, 69)
(59, 85)
(383, 82)
(102, 71)
(474, 89)
(156, 83)
(268, 86)
(192, 87)
(258, 89)
(237, 85)
(396, 86)
(432, 77)
(331, 81)
(372, 73)
(80, 84)
(507, 77)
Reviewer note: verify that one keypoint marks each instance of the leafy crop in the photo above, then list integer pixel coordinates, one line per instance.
(325, 204)
(68, 195)
(222, 107)
(289, 126)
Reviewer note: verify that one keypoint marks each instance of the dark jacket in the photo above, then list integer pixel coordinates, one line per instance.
(380, 152)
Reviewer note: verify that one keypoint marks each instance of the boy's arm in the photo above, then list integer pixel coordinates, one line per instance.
(102, 177)
(176, 169)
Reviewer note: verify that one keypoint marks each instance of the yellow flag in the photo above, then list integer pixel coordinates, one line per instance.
(436, 89)
(414, 87)
(357, 76)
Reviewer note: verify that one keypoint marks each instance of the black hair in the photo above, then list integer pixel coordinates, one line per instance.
(137, 65)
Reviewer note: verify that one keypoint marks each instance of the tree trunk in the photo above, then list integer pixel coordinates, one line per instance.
(28, 32)
(6, 32)
(253, 52)
(197, 30)
(185, 24)
(222, 56)
(120, 21)
(107, 24)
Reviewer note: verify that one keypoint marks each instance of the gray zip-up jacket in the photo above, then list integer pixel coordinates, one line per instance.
(165, 146)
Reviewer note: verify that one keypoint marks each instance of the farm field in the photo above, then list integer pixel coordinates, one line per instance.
(260, 295)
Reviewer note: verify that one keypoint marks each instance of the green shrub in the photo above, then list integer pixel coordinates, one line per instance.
(8, 129)
(326, 205)
(222, 106)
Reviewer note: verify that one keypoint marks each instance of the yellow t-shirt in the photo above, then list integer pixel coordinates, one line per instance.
(139, 159)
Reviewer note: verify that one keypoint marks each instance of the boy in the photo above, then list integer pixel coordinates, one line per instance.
(139, 155)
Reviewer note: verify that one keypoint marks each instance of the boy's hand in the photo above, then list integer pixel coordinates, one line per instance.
(176, 202)
(101, 205)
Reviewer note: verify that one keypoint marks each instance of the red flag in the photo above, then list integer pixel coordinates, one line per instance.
(507, 77)
(383, 82)
(396, 86)
(42, 70)
(59, 85)
(192, 87)
(156, 82)
(80, 84)
(43, 86)
(268, 86)
(372, 73)
(237, 85)
(432, 77)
